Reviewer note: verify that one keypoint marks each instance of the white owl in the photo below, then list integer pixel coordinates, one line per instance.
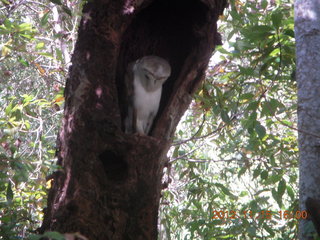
(148, 73)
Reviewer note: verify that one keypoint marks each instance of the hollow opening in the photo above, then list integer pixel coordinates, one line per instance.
(166, 28)
(115, 167)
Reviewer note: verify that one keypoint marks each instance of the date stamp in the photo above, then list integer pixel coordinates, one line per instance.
(263, 214)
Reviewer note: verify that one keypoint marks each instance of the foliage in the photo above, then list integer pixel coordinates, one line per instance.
(235, 151)
(242, 156)
(34, 60)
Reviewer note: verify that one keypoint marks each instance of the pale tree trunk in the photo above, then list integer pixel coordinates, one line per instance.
(307, 33)
(109, 185)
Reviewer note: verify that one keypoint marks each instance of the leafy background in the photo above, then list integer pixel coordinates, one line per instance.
(235, 149)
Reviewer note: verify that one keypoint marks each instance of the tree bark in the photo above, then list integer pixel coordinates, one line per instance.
(109, 185)
(307, 32)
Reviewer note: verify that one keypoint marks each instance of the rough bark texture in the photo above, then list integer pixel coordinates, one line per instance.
(110, 183)
(313, 209)
(307, 32)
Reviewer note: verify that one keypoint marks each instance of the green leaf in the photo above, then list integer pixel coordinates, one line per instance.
(176, 151)
(7, 23)
(46, 54)
(253, 106)
(28, 36)
(260, 130)
(251, 231)
(273, 179)
(246, 96)
(40, 45)
(27, 125)
(281, 187)
(27, 99)
(8, 109)
(24, 27)
(275, 194)
(256, 172)
(59, 54)
(224, 116)
(67, 10)
(222, 50)
(34, 237)
(243, 45)
(230, 35)
(248, 71)
(58, 2)
(182, 174)
(264, 174)
(291, 193)
(289, 32)
(6, 2)
(9, 194)
(269, 230)
(44, 19)
(269, 108)
(264, 4)
(276, 18)
(235, 15)
(23, 61)
(247, 123)
(242, 171)
(243, 193)
(274, 53)
(257, 32)
(224, 190)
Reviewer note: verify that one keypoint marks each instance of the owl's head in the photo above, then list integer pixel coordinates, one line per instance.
(153, 71)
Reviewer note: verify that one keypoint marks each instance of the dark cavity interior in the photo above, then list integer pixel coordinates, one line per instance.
(166, 28)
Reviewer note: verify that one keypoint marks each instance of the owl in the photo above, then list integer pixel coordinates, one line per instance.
(147, 75)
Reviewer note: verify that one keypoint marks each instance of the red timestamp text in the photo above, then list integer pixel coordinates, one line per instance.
(263, 214)
(293, 214)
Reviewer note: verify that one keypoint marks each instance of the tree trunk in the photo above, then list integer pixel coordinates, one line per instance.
(307, 32)
(109, 185)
